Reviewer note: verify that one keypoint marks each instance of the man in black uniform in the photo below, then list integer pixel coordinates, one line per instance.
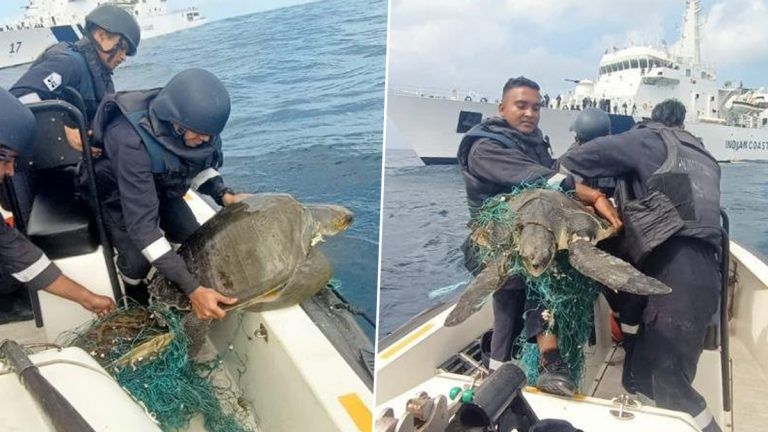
(111, 33)
(495, 156)
(18, 256)
(157, 144)
(673, 234)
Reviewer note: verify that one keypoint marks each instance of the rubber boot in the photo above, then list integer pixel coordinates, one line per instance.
(554, 376)
(627, 381)
(138, 293)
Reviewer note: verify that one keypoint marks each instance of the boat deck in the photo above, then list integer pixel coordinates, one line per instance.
(750, 387)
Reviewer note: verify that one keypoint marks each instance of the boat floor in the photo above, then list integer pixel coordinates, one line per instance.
(750, 387)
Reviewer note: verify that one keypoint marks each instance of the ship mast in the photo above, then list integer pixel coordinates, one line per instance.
(689, 46)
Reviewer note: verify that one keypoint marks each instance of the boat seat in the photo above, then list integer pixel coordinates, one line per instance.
(60, 223)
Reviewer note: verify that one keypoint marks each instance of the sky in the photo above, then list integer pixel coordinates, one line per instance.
(213, 9)
(477, 44)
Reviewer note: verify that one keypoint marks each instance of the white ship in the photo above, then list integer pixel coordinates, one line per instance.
(731, 120)
(47, 22)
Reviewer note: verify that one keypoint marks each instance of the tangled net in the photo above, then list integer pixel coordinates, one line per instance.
(146, 350)
(567, 294)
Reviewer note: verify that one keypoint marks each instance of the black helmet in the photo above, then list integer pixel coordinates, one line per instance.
(17, 123)
(195, 99)
(590, 124)
(118, 21)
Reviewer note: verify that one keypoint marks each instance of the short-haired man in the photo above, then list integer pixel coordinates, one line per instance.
(678, 185)
(496, 156)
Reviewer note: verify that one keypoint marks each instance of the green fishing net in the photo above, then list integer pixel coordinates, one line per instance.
(146, 350)
(568, 295)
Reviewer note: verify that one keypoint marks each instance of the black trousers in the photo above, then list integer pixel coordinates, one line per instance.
(671, 337)
(512, 312)
(176, 220)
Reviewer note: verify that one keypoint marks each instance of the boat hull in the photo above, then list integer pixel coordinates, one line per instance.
(430, 127)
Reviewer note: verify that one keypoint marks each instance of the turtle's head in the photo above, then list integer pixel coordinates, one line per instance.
(536, 248)
(330, 219)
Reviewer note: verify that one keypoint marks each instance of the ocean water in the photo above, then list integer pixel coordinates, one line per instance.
(307, 89)
(424, 224)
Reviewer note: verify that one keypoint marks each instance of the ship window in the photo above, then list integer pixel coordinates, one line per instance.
(643, 63)
(614, 67)
(703, 75)
(626, 64)
(688, 72)
(633, 63)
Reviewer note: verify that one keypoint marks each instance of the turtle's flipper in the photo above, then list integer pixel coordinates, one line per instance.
(477, 293)
(308, 278)
(610, 271)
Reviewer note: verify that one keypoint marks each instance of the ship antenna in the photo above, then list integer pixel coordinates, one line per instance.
(690, 41)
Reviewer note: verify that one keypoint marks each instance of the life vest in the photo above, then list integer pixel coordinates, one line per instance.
(478, 190)
(172, 173)
(681, 198)
(690, 178)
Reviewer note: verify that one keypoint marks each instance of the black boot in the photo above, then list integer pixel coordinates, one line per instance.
(138, 293)
(554, 376)
(627, 380)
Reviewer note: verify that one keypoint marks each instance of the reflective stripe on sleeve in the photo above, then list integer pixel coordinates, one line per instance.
(556, 179)
(33, 271)
(703, 419)
(30, 98)
(494, 364)
(156, 249)
(203, 177)
(629, 329)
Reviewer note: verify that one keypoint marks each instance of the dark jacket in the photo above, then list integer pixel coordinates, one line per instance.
(68, 65)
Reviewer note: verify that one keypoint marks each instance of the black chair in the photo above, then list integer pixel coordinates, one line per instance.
(60, 221)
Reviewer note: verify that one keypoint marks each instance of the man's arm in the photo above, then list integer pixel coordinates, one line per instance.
(609, 156)
(45, 80)
(29, 265)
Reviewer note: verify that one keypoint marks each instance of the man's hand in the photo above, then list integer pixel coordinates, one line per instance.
(205, 303)
(73, 137)
(65, 287)
(98, 304)
(604, 208)
(602, 205)
(228, 199)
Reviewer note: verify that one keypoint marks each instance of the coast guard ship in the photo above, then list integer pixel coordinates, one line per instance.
(47, 22)
(731, 120)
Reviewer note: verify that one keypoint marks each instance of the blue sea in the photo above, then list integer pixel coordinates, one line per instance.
(424, 223)
(307, 87)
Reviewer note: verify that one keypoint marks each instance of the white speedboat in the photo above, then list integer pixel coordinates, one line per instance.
(730, 120)
(307, 367)
(425, 358)
(47, 22)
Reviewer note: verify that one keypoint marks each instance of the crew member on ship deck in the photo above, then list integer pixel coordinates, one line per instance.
(496, 156)
(672, 233)
(18, 256)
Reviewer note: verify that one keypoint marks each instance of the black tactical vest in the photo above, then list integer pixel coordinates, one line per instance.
(478, 190)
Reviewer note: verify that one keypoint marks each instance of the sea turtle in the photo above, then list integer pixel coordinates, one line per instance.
(546, 221)
(260, 250)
